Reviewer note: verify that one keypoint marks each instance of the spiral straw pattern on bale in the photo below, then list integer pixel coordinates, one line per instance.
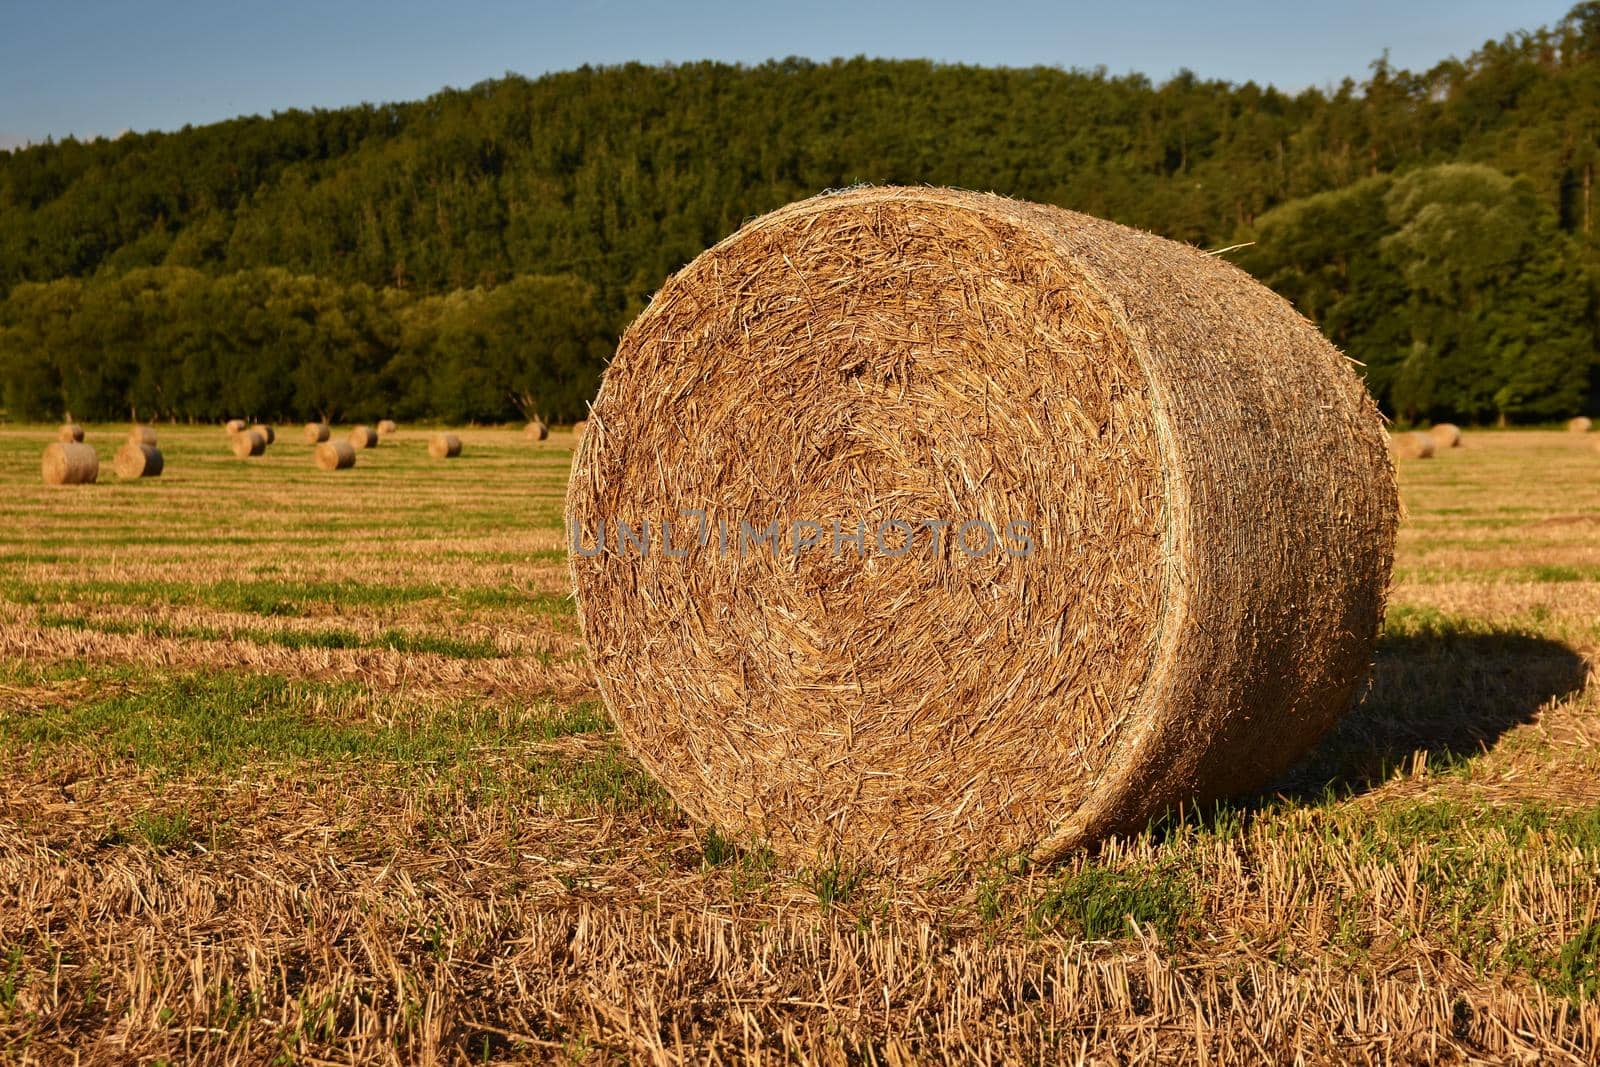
(1194, 615)
(335, 455)
(137, 460)
(444, 446)
(70, 463)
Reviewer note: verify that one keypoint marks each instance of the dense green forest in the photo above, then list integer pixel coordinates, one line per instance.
(474, 255)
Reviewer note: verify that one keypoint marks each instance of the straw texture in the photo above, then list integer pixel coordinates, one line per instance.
(335, 455)
(234, 425)
(364, 437)
(536, 430)
(247, 443)
(137, 460)
(70, 463)
(69, 432)
(1195, 613)
(1446, 435)
(1411, 445)
(444, 446)
(317, 432)
(1581, 424)
(386, 427)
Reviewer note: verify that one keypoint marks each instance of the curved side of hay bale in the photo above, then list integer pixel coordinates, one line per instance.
(386, 427)
(70, 463)
(69, 432)
(1446, 435)
(536, 430)
(247, 443)
(364, 437)
(1581, 424)
(138, 460)
(1186, 621)
(1411, 446)
(317, 432)
(444, 446)
(335, 455)
(234, 425)
(580, 426)
(267, 433)
(145, 435)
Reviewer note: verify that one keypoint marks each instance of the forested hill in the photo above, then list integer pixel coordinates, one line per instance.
(478, 251)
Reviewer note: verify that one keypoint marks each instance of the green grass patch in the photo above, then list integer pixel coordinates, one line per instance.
(1101, 903)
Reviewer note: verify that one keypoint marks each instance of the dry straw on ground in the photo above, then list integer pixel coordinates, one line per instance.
(1581, 424)
(444, 446)
(536, 430)
(234, 425)
(317, 432)
(70, 463)
(1192, 618)
(137, 460)
(386, 427)
(335, 455)
(247, 443)
(1446, 435)
(145, 435)
(267, 432)
(1411, 445)
(363, 437)
(70, 432)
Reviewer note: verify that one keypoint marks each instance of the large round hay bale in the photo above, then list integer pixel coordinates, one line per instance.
(145, 435)
(1446, 435)
(1180, 618)
(267, 432)
(247, 443)
(1581, 424)
(536, 430)
(234, 425)
(1411, 446)
(364, 437)
(70, 463)
(386, 427)
(335, 455)
(444, 446)
(69, 432)
(317, 432)
(138, 460)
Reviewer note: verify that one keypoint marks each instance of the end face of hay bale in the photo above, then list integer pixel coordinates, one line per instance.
(234, 425)
(386, 427)
(536, 430)
(317, 432)
(267, 432)
(143, 434)
(1411, 446)
(70, 463)
(1175, 620)
(1446, 435)
(138, 460)
(444, 446)
(247, 443)
(335, 455)
(69, 432)
(364, 437)
(1581, 424)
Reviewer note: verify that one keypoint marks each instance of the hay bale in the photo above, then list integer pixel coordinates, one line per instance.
(363, 437)
(536, 430)
(579, 426)
(69, 432)
(138, 460)
(247, 443)
(1411, 446)
(386, 427)
(142, 434)
(1179, 620)
(335, 455)
(234, 425)
(1446, 435)
(70, 463)
(267, 432)
(444, 446)
(317, 432)
(1581, 424)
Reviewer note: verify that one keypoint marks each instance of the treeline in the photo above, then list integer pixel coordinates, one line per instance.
(612, 178)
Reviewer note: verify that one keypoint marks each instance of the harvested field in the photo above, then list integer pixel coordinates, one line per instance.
(320, 788)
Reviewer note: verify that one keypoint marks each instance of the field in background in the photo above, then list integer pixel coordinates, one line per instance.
(306, 766)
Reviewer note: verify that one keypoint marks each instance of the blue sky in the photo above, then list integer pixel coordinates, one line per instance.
(89, 68)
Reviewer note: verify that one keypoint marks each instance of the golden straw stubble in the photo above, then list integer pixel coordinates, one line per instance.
(1188, 622)
(70, 463)
(335, 455)
(138, 460)
(444, 446)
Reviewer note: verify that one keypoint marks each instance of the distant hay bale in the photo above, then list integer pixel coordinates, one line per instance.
(317, 432)
(138, 460)
(386, 427)
(234, 425)
(70, 463)
(579, 426)
(247, 443)
(444, 446)
(1446, 435)
(142, 434)
(1181, 616)
(537, 430)
(69, 432)
(363, 437)
(267, 432)
(1411, 446)
(335, 455)
(1581, 424)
